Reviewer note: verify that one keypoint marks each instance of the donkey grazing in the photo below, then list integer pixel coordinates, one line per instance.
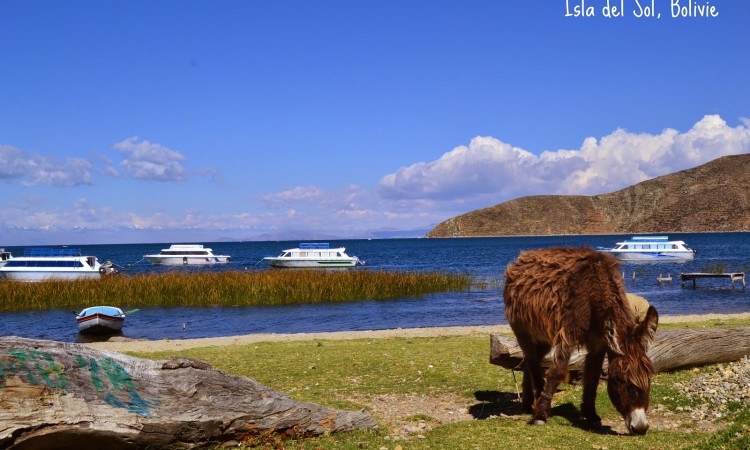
(562, 298)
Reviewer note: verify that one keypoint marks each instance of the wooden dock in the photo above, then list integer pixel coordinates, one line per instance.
(733, 276)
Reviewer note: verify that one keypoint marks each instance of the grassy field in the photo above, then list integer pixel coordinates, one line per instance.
(230, 288)
(441, 393)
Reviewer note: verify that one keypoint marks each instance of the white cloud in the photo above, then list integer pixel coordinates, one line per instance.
(480, 168)
(149, 161)
(80, 215)
(350, 208)
(33, 170)
(12, 162)
(489, 170)
(297, 194)
(211, 174)
(84, 215)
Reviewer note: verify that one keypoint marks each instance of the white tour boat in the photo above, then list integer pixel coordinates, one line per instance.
(186, 255)
(649, 248)
(312, 255)
(40, 264)
(100, 320)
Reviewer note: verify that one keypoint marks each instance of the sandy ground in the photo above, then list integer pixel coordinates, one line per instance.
(128, 345)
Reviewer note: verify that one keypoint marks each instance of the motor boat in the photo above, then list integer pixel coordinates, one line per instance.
(648, 248)
(40, 264)
(186, 255)
(313, 255)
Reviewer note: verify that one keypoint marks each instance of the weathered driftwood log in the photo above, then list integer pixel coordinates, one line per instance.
(61, 395)
(672, 349)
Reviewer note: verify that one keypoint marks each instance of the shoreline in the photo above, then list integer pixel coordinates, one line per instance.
(148, 346)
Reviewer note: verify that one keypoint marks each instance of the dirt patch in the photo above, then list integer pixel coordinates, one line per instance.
(409, 417)
(661, 418)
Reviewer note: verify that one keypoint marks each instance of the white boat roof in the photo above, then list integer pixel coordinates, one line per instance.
(186, 247)
(305, 249)
(647, 239)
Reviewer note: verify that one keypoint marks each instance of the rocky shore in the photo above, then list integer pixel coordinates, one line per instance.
(714, 392)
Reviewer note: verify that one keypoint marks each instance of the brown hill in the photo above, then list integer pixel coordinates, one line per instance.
(711, 197)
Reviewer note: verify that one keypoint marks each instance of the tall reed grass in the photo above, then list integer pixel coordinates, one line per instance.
(231, 288)
(714, 268)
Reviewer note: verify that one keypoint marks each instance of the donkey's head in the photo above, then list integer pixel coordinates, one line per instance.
(630, 371)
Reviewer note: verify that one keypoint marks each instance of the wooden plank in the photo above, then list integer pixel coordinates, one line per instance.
(733, 276)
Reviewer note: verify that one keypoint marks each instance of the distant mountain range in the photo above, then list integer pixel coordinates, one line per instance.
(714, 197)
(306, 235)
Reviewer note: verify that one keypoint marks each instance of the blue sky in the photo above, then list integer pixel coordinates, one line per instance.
(167, 121)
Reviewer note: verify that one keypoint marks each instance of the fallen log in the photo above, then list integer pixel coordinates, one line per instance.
(62, 395)
(671, 350)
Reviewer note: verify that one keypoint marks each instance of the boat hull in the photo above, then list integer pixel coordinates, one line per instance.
(654, 256)
(186, 260)
(290, 263)
(48, 275)
(100, 320)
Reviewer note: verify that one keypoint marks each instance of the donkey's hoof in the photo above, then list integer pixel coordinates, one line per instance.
(539, 422)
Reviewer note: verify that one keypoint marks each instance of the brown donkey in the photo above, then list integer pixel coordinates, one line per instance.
(562, 298)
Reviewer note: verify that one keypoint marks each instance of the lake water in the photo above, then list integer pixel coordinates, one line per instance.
(485, 258)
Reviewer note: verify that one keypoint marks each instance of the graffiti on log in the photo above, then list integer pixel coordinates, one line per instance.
(108, 377)
(53, 394)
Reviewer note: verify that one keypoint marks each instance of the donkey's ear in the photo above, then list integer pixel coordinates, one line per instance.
(610, 335)
(646, 330)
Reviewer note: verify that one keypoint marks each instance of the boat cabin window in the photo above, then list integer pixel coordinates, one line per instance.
(187, 252)
(44, 263)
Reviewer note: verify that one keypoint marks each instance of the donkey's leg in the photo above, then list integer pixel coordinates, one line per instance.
(530, 367)
(556, 373)
(527, 395)
(592, 370)
(536, 374)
